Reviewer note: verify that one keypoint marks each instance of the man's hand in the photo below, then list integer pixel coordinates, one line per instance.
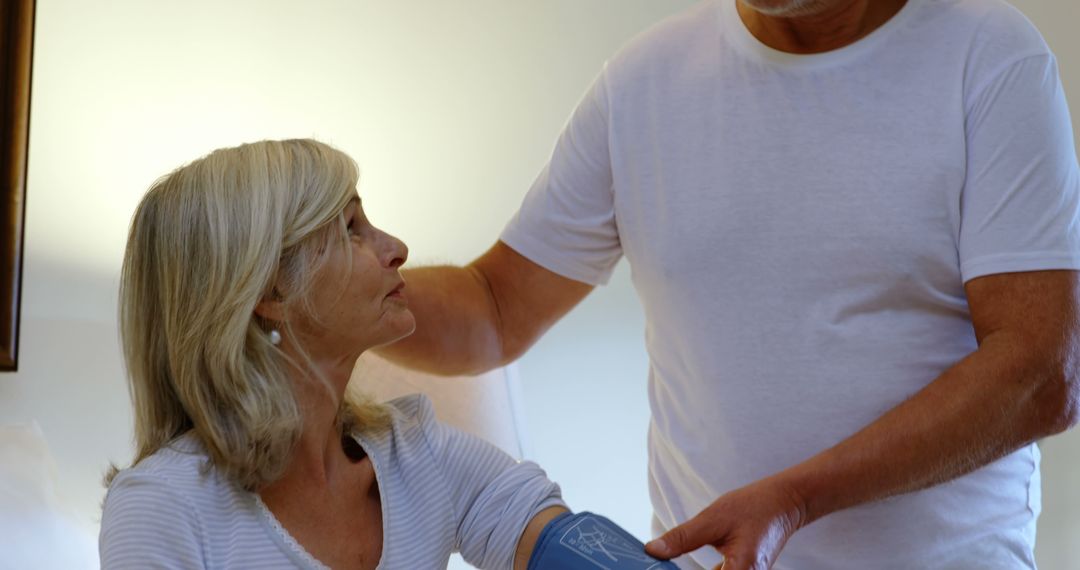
(1021, 385)
(749, 526)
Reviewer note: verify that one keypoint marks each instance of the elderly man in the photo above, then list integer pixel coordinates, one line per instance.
(855, 228)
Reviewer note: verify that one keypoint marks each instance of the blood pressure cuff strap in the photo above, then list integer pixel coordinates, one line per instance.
(588, 541)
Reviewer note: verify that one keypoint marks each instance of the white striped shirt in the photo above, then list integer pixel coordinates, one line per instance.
(442, 491)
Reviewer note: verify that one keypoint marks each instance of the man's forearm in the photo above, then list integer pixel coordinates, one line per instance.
(475, 318)
(457, 328)
(988, 405)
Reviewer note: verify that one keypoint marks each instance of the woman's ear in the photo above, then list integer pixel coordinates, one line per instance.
(270, 310)
(271, 307)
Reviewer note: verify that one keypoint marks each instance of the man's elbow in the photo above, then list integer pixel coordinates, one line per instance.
(1061, 402)
(1070, 413)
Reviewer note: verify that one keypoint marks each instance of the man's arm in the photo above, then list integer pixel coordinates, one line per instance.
(1019, 386)
(484, 315)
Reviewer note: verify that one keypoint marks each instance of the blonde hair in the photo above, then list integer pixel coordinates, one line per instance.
(207, 243)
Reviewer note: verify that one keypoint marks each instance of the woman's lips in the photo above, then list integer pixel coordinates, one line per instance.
(396, 293)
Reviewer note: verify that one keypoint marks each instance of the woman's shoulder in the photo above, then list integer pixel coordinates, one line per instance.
(412, 418)
(412, 409)
(181, 458)
(171, 507)
(177, 471)
(414, 434)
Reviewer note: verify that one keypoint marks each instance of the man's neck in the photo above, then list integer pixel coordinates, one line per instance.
(841, 24)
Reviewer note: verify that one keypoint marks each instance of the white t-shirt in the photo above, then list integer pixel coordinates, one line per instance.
(442, 491)
(799, 229)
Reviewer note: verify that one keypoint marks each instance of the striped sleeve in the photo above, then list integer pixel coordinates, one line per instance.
(494, 497)
(145, 524)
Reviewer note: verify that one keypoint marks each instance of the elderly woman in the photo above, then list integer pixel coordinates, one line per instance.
(251, 284)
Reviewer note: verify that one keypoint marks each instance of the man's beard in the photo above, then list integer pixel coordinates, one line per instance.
(787, 8)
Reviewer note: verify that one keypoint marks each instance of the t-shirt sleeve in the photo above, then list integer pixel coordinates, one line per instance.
(494, 497)
(1020, 206)
(147, 525)
(567, 220)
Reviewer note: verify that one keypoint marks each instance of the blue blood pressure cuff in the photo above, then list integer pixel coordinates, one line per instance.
(587, 541)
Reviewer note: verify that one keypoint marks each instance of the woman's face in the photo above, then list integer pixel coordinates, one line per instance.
(361, 306)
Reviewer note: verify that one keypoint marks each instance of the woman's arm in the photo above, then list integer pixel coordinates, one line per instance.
(496, 500)
(532, 534)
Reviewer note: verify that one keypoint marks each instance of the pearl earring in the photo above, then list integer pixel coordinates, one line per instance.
(275, 337)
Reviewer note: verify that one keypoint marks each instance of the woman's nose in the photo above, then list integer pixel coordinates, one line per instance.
(396, 252)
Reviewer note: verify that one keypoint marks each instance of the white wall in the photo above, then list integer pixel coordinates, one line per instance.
(449, 105)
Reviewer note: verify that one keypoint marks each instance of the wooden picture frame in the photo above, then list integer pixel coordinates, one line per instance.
(16, 57)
